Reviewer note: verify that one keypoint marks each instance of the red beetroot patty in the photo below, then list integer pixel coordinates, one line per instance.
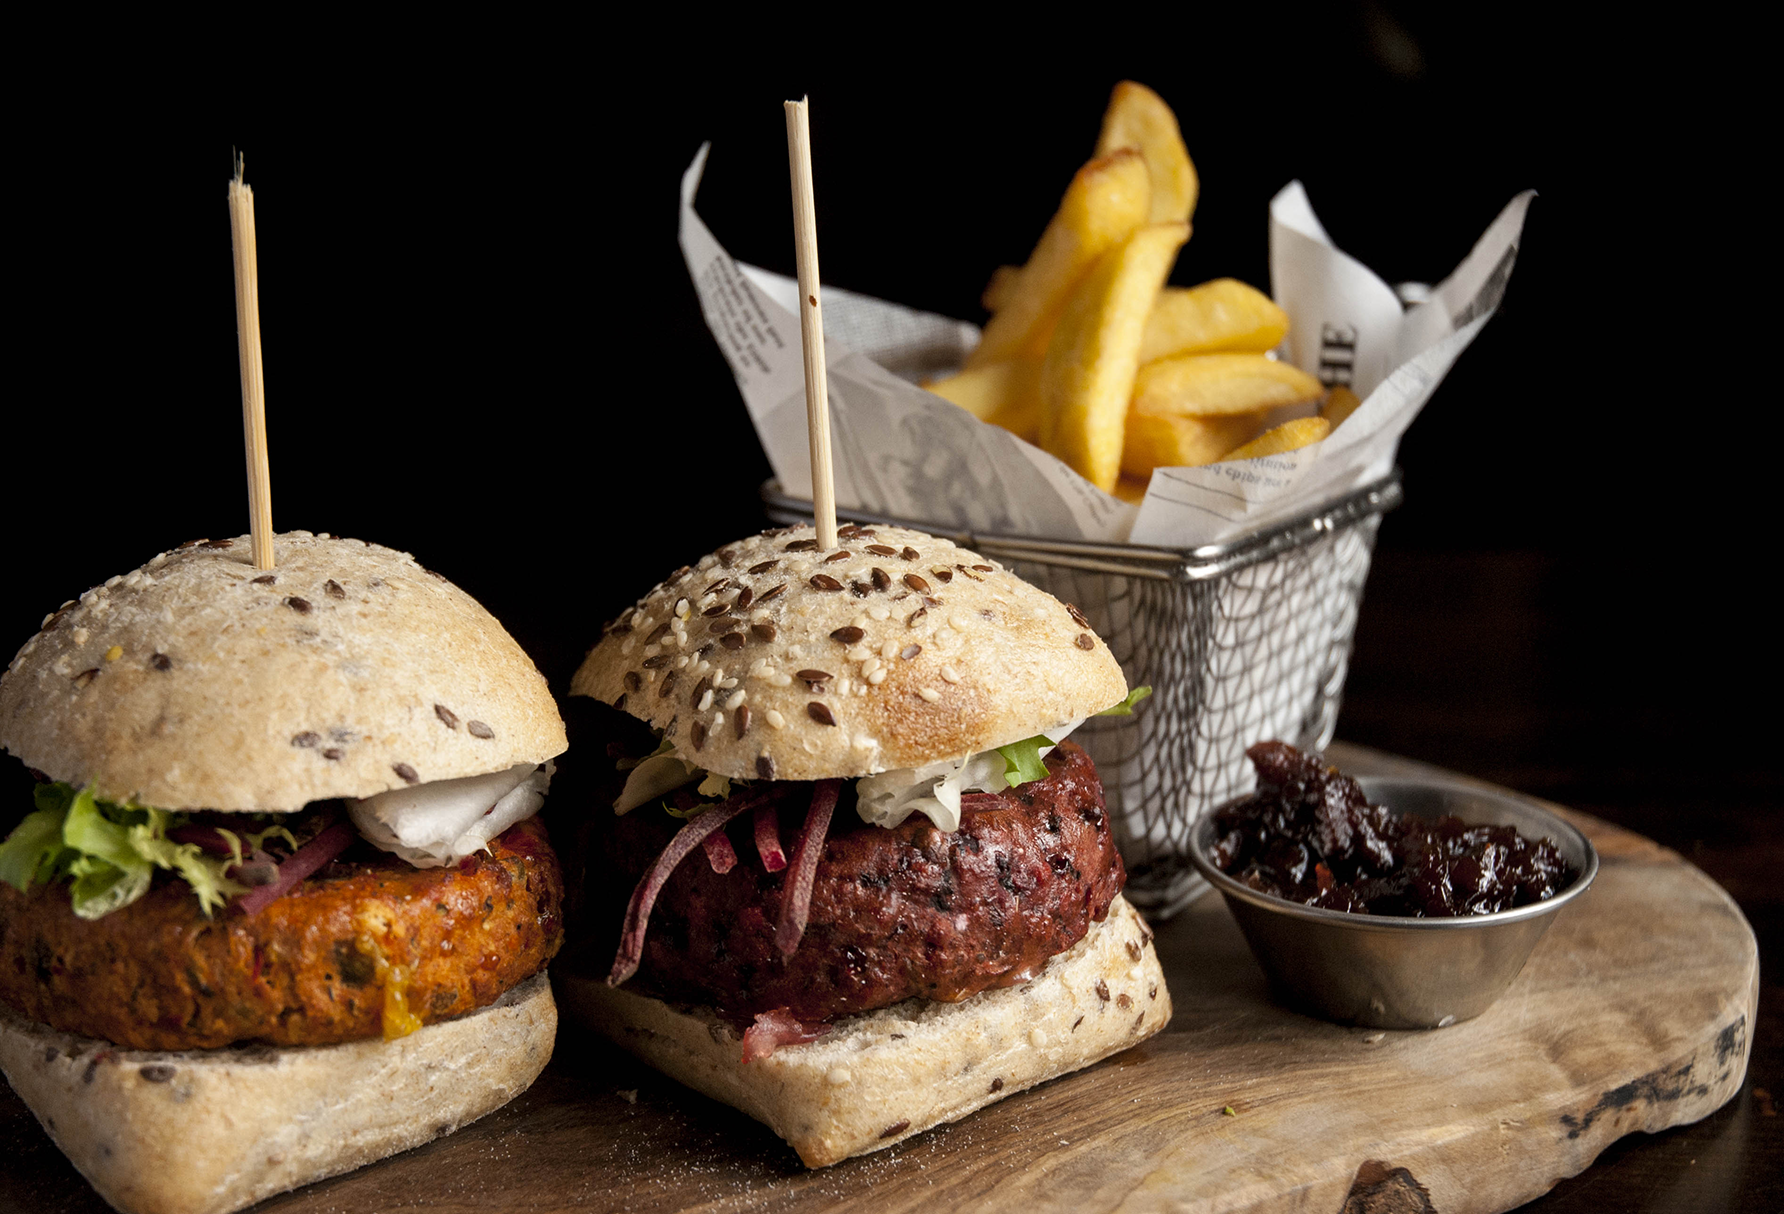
(911, 911)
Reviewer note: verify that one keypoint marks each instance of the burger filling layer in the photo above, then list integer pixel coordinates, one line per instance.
(366, 945)
(884, 914)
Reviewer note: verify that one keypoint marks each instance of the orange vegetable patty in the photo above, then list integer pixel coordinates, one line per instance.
(367, 946)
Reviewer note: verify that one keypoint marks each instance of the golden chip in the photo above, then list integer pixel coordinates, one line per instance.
(1302, 432)
(1000, 288)
(1131, 489)
(1223, 315)
(1088, 376)
(1106, 201)
(1137, 117)
(1206, 385)
(1181, 442)
(1340, 404)
(1004, 394)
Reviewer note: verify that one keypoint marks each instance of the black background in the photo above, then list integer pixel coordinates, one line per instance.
(481, 344)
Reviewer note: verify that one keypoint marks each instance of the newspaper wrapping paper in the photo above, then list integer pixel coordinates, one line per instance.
(906, 453)
(1258, 654)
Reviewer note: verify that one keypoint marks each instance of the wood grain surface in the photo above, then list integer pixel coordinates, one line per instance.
(1635, 1013)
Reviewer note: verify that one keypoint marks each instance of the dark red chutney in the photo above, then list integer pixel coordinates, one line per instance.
(1309, 834)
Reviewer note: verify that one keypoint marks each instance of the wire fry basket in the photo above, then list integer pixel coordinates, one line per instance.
(1239, 641)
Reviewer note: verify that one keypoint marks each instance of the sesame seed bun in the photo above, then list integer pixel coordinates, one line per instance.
(895, 649)
(198, 682)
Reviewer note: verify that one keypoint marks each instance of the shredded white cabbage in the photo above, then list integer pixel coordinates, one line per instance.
(652, 778)
(440, 823)
(890, 797)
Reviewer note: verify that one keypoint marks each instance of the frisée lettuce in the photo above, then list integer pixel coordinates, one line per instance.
(108, 852)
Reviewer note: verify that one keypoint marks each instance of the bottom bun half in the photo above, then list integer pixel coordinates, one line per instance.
(211, 1131)
(880, 1077)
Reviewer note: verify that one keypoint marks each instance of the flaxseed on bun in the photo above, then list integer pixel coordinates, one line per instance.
(772, 660)
(199, 682)
(841, 781)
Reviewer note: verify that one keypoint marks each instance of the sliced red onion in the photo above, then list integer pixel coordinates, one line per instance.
(980, 800)
(302, 862)
(777, 1028)
(796, 899)
(631, 940)
(208, 838)
(719, 852)
(768, 842)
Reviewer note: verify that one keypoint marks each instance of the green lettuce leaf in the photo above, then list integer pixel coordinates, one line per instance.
(111, 852)
(30, 852)
(1023, 762)
(1126, 707)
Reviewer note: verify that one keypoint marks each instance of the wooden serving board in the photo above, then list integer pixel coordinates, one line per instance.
(1635, 1013)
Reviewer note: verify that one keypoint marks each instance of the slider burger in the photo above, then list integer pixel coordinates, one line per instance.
(872, 887)
(282, 906)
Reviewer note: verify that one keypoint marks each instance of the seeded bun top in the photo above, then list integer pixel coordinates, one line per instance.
(774, 660)
(198, 682)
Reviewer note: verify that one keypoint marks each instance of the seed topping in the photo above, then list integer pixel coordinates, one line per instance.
(697, 732)
(815, 679)
(161, 661)
(1077, 616)
(772, 592)
(847, 636)
(477, 729)
(1084, 641)
(824, 582)
(406, 772)
(843, 555)
(820, 712)
(882, 550)
(669, 681)
(449, 719)
(911, 554)
(800, 546)
(765, 766)
(764, 567)
(916, 583)
(910, 651)
(333, 589)
(301, 606)
(881, 579)
(740, 720)
(732, 640)
(265, 579)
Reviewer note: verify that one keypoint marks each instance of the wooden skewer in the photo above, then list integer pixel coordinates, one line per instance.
(811, 322)
(247, 335)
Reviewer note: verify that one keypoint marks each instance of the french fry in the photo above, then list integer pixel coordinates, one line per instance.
(1207, 385)
(1088, 376)
(1302, 432)
(1131, 489)
(1107, 200)
(1005, 394)
(1341, 402)
(1215, 317)
(1181, 442)
(1137, 117)
(1001, 288)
